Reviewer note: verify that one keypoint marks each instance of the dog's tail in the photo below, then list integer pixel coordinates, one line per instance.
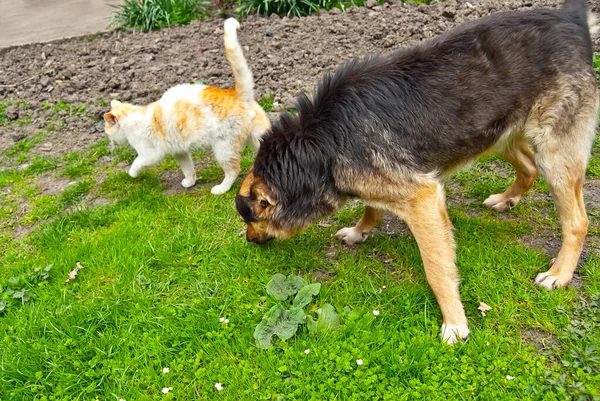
(244, 83)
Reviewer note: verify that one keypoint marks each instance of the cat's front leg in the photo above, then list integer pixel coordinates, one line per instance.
(187, 166)
(141, 163)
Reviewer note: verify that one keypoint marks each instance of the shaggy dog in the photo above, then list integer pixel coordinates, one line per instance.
(389, 129)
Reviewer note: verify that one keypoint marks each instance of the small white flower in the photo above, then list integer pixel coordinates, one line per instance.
(221, 319)
(384, 287)
(307, 351)
(165, 390)
(226, 321)
(509, 377)
(359, 362)
(121, 399)
(219, 386)
(165, 370)
(376, 312)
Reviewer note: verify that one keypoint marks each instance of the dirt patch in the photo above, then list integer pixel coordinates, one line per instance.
(540, 339)
(393, 226)
(286, 55)
(52, 185)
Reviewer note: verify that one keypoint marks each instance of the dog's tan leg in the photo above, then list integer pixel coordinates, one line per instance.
(360, 232)
(522, 159)
(562, 153)
(428, 220)
(574, 223)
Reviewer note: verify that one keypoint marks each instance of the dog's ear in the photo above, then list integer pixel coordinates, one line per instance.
(264, 195)
(110, 119)
(114, 103)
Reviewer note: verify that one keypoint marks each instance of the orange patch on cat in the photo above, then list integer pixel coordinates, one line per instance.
(188, 116)
(223, 102)
(123, 110)
(157, 123)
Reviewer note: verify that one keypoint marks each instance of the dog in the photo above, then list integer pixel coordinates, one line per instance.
(389, 129)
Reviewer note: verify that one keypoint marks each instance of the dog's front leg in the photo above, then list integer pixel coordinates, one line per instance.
(362, 229)
(428, 220)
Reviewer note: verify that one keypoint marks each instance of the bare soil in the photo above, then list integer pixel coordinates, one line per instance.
(286, 55)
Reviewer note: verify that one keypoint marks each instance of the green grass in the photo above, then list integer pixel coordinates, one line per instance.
(161, 270)
(149, 15)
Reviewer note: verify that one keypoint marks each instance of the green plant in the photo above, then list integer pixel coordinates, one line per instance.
(278, 320)
(18, 289)
(295, 8)
(284, 322)
(148, 15)
(597, 67)
(267, 102)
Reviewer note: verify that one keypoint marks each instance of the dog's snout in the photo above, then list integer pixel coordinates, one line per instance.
(259, 240)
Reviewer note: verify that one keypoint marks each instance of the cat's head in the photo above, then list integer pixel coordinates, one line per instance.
(113, 122)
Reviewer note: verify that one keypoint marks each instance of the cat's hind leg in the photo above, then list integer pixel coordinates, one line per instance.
(227, 156)
(187, 166)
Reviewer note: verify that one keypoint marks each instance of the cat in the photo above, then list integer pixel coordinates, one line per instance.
(193, 116)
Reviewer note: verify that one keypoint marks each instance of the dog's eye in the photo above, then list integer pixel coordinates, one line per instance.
(264, 204)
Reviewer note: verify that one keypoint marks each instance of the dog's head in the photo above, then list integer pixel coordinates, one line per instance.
(290, 185)
(258, 206)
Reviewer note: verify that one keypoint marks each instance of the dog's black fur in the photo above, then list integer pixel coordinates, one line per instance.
(425, 108)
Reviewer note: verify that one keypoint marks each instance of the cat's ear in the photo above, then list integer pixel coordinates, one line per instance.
(110, 119)
(114, 103)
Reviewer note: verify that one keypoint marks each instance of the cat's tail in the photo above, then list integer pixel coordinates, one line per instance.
(244, 83)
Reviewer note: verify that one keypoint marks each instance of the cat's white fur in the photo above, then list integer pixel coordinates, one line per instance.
(226, 136)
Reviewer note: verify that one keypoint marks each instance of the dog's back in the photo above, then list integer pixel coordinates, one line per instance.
(452, 98)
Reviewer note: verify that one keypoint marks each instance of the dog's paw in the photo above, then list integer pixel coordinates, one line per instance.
(133, 173)
(188, 182)
(219, 189)
(500, 203)
(350, 236)
(552, 279)
(452, 333)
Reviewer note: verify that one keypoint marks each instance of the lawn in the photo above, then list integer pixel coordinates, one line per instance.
(144, 319)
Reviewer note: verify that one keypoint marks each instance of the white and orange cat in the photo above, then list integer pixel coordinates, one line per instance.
(192, 116)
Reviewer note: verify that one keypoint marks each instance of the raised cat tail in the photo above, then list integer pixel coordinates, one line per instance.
(244, 83)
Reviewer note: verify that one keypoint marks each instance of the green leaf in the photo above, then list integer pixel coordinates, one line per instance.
(277, 288)
(328, 320)
(3, 305)
(306, 294)
(295, 284)
(278, 321)
(281, 287)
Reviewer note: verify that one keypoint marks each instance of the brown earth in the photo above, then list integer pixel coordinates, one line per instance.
(286, 55)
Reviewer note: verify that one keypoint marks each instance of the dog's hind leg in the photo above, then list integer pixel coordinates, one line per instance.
(428, 220)
(522, 159)
(562, 155)
(360, 232)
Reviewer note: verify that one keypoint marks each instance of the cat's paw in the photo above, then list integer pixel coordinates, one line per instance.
(188, 182)
(219, 189)
(133, 173)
